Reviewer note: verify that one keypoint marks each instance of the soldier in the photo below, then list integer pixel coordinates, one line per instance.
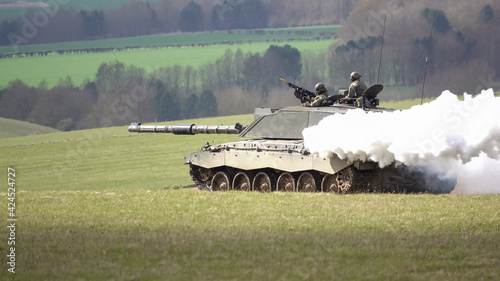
(321, 95)
(357, 87)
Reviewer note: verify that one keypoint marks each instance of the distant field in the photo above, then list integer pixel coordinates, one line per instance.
(403, 104)
(33, 70)
(10, 128)
(215, 37)
(101, 204)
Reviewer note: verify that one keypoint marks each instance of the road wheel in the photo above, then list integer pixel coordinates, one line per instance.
(286, 183)
(329, 184)
(242, 182)
(221, 182)
(306, 183)
(262, 182)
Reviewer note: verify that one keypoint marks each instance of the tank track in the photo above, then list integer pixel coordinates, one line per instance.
(349, 180)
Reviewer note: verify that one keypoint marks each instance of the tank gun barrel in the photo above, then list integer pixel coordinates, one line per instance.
(185, 129)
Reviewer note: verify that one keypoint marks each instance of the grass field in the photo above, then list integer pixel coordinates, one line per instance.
(105, 204)
(115, 157)
(10, 128)
(404, 104)
(33, 70)
(155, 234)
(215, 37)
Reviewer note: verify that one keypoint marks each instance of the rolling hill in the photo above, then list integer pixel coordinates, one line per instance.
(107, 204)
(10, 128)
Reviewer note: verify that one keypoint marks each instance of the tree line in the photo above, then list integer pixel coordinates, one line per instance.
(137, 18)
(121, 94)
(462, 51)
(118, 95)
(319, 36)
(462, 57)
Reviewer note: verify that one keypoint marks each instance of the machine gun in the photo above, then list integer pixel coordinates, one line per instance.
(305, 95)
(301, 92)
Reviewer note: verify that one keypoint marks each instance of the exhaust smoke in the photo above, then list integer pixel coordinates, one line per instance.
(446, 137)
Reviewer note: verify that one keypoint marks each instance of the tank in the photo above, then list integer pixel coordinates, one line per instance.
(272, 157)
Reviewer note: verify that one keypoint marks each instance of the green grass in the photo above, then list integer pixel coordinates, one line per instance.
(14, 128)
(404, 104)
(92, 205)
(156, 234)
(33, 70)
(215, 37)
(114, 157)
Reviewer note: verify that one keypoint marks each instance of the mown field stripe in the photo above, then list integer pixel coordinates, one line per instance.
(33, 70)
(214, 37)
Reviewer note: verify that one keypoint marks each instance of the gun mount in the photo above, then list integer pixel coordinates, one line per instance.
(274, 157)
(368, 99)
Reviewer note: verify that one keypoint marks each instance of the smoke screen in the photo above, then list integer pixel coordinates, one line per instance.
(447, 137)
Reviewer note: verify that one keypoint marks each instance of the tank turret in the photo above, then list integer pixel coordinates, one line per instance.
(272, 157)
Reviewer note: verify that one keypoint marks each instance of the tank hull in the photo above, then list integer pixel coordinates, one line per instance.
(285, 165)
(286, 155)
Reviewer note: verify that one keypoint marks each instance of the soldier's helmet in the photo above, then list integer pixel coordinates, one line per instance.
(320, 88)
(355, 76)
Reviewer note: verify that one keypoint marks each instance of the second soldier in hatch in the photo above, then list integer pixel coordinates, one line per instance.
(357, 87)
(321, 95)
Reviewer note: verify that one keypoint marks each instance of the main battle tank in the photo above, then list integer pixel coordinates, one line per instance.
(273, 156)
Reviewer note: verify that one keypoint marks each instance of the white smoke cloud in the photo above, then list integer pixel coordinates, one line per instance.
(453, 138)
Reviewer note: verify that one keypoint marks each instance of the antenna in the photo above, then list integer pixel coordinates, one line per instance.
(427, 59)
(381, 48)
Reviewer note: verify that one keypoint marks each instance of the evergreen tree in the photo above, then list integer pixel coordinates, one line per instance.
(486, 14)
(191, 18)
(207, 105)
(252, 71)
(282, 62)
(166, 107)
(251, 14)
(93, 22)
(248, 14)
(5, 28)
(190, 107)
(441, 23)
